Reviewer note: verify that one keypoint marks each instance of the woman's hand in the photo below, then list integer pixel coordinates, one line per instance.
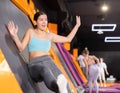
(12, 29)
(78, 21)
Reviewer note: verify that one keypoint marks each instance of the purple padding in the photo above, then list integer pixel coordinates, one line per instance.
(106, 90)
(70, 66)
(116, 86)
(72, 63)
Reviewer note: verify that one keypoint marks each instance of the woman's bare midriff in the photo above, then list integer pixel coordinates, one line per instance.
(37, 54)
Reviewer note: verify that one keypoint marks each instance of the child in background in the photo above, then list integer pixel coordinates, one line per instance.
(81, 63)
(103, 70)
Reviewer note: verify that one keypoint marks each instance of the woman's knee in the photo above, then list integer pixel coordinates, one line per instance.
(50, 81)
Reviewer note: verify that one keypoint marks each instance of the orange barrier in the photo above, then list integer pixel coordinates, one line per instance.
(27, 8)
(8, 82)
(75, 52)
(58, 63)
(53, 27)
(67, 46)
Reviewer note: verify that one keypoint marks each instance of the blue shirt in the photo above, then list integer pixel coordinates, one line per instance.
(37, 44)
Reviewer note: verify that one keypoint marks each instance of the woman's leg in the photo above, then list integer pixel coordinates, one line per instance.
(60, 78)
(39, 72)
(45, 70)
(93, 76)
(90, 86)
(96, 78)
(100, 79)
(103, 78)
(90, 77)
(49, 80)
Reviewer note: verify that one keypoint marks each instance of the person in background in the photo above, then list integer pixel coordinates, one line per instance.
(103, 70)
(41, 65)
(92, 70)
(81, 63)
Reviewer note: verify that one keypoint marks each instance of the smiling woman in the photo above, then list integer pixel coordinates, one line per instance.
(39, 43)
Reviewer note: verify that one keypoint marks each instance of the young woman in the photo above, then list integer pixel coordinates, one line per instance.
(39, 43)
(92, 69)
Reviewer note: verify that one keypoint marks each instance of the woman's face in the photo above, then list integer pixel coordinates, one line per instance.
(42, 22)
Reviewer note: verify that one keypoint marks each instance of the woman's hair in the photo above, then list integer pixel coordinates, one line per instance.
(85, 51)
(37, 14)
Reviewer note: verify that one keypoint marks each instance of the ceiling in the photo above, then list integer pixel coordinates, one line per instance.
(90, 13)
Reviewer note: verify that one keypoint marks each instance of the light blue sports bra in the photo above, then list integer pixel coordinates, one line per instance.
(37, 44)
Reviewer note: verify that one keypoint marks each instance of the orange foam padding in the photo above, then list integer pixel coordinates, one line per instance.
(53, 27)
(8, 82)
(75, 52)
(67, 46)
(58, 63)
(27, 8)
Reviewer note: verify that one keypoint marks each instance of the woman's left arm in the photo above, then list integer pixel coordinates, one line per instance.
(62, 39)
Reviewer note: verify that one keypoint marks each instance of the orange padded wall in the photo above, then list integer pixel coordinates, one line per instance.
(8, 82)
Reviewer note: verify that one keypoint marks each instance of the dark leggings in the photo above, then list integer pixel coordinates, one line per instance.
(41, 71)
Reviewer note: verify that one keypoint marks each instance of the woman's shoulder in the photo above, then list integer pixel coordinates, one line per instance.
(29, 32)
(50, 34)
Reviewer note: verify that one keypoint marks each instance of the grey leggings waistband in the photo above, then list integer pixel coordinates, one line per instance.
(40, 59)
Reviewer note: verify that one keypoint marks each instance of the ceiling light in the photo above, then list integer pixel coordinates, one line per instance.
(112, 39)
(104, 7)
(103, 27)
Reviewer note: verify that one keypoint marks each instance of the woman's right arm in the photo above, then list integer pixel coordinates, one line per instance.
(13, 30)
